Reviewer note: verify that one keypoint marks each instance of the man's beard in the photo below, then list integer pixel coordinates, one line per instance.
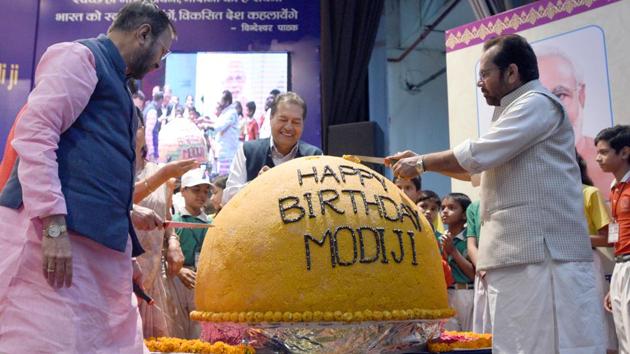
(141, 65)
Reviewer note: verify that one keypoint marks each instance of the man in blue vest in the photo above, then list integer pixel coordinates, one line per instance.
(288, 113)
(66, 235)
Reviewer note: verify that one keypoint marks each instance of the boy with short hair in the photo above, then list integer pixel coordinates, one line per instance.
(613, 155)
(195, 188)
(412, 187)
(430, 205)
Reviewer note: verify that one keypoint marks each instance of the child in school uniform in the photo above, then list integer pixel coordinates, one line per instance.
(613, 156)
(412, 187)
(429, 205)
(481, 309)
(454, 248)
(597, 220)
(195, 187)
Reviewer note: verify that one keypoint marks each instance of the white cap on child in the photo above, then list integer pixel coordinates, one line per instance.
(195, 177)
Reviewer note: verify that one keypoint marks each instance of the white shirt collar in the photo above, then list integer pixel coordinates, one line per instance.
(624, 179)
(528, 86)
(274, 150)
(512, 96)
(203, 217)
(460, 235)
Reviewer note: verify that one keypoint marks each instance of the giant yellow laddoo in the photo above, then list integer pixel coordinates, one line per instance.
(320, 239)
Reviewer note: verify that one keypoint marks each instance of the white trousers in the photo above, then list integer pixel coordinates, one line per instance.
(620, 299)
(481, 308)
(602, 287)
(545, 308)
(462, 301)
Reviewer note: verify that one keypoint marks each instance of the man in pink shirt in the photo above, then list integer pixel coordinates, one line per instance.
(66, 235)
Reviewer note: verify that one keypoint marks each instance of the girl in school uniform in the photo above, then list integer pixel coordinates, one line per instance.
(454, 248)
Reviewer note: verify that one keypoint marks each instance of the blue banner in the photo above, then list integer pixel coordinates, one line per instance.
(257, 26)
(17, 47)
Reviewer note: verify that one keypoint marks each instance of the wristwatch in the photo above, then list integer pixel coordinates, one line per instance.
(54, 230)
(420, 165)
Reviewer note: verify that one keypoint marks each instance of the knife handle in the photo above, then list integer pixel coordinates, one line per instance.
(141, 294)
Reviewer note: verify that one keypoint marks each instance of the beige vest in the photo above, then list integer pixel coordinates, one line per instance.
(534, 201)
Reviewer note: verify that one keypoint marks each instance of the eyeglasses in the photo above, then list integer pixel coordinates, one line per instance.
(164, 49)
(154, 5)
(484, 74)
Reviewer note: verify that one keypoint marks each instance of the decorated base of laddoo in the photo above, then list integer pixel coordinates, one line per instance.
(331, 337)
(321, 316)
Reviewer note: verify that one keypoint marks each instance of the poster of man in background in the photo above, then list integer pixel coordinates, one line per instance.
(559, 75)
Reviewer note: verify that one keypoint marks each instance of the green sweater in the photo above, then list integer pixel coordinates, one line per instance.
(473, 224)
(190, 240)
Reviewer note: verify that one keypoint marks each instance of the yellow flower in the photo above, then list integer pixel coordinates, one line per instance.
(166, 344)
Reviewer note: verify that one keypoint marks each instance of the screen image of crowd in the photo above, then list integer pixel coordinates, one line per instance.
(225, 127)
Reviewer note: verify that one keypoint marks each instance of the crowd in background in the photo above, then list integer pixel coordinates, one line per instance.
(225, 127)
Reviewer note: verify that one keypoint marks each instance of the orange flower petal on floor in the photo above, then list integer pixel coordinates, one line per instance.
(450, 340)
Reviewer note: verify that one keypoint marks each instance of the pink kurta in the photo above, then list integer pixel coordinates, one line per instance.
(157, 319)
(98, 313)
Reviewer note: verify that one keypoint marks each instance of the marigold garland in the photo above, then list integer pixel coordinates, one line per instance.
(451, 340)
(169, 344)
(319, 316)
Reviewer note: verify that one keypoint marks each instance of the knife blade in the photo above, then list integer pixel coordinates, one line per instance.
(371, 159)
(186, 225)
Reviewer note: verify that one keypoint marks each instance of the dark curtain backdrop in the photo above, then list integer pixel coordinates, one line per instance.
(347, 38)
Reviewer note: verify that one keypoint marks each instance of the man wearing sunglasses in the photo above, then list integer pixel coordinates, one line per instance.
(66, 235)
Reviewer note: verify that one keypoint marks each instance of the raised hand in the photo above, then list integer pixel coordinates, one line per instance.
(176, 169)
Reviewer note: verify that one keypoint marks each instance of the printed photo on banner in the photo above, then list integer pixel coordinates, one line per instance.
(248, 76)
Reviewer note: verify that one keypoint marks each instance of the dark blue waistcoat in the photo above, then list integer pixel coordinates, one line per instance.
(96, 157)
(258, 154)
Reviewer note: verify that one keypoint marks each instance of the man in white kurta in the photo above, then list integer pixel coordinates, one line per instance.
(226, 134)
(535, 250)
